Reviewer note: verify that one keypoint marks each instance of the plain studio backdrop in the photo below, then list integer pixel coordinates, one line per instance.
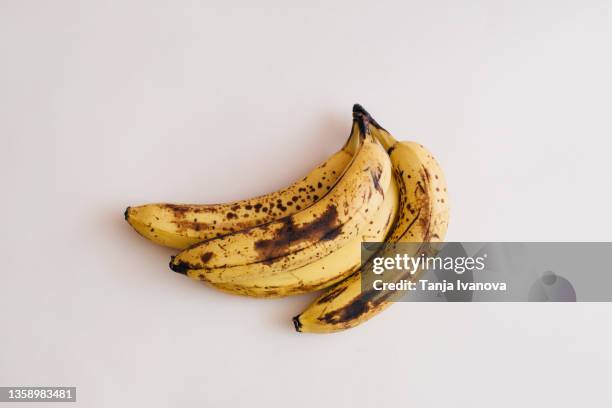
(106, 104)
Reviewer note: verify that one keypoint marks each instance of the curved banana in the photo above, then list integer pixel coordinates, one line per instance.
(182, 225)
(310, 234)
(423, 217)
(319, 274)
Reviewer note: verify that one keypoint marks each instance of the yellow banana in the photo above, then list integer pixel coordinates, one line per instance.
(182, 225)
(423, 217)
(319, 274)
(310, 234)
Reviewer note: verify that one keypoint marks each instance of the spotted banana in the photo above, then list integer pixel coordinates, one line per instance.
(310, 234)
(423, 217)
(182, 225)
(316, 275)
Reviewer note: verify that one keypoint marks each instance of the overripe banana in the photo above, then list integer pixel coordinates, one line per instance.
(423, 217)
(316, 275)
(182, 225)
(310, 234)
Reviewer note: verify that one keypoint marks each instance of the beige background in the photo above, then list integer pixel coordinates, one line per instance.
(109, 103)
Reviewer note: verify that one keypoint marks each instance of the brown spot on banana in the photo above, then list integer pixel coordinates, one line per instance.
(332, 294)
(376, 174)
(426, 172)
(178, 210)
(182, 225)
(325, 227)
(358, 307)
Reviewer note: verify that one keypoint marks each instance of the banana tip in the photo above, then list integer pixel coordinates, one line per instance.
(125, 214)
(178, 267)
(297, 324)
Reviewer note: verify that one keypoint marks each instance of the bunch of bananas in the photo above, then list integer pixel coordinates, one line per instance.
(308, 236)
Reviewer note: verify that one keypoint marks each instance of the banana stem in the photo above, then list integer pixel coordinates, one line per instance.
(384, 138)
(352, 144)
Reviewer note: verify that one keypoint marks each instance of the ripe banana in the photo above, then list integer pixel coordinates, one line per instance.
(313, 233)
(319, 274)
(182, 225)
(423, 217)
